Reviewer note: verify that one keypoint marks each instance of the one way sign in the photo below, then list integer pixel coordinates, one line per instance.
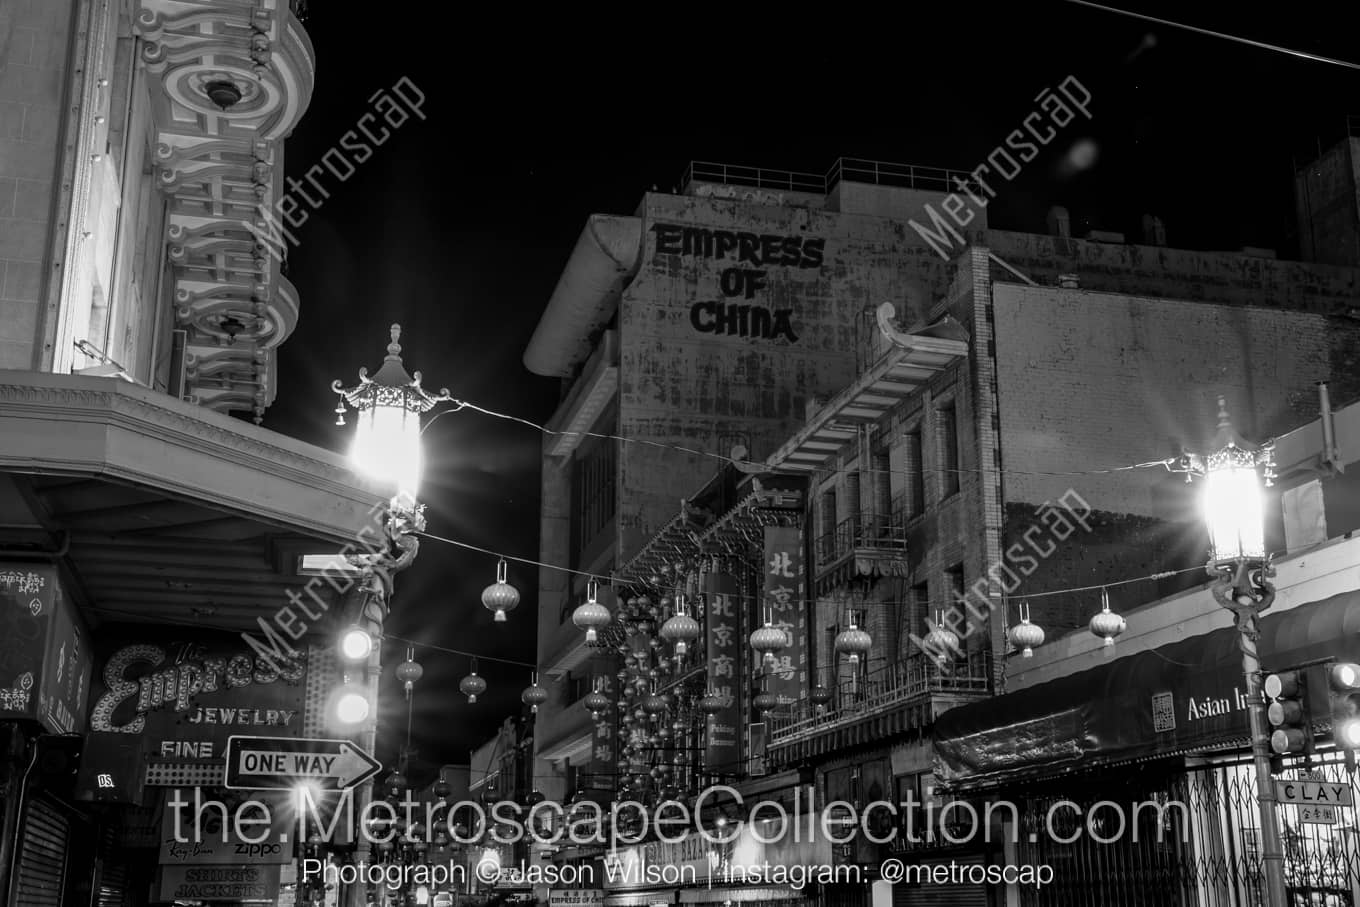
(280, 763)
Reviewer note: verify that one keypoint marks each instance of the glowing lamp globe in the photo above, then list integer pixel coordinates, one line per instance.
(1234, 494)
(351, 706)
(356, 644)
(388, 408)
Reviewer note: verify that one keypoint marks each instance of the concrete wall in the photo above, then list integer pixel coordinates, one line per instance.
(81, 218)
(1224, 277)
(1090, 381)
(701, 389)
(34, 58)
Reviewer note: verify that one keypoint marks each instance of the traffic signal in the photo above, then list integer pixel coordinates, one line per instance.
(1288, 713)
(1343, 681)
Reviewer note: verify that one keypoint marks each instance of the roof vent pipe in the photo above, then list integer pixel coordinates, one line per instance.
(1059, 222)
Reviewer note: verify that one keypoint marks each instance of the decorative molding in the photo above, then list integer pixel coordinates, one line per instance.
(217, 166)
(117, 406)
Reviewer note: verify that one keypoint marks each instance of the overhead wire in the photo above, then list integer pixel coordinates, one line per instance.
(459, 405)
(1260, 45)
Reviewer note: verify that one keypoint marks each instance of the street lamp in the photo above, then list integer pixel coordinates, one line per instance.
(1235, 477)
(387, 425)
(386, 446)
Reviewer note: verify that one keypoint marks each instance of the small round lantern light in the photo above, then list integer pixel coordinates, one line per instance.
(853, 642)
(408, 672)
(941, 642)
(472, 686)
(534, 695)
(763, 702)
(598, 703)
(1106, 624)
(591, 615)
(768, 640)
(681, 629)
(820, 697)
(711, 704)
(1025, 635)
(500, 596)
(654, 705)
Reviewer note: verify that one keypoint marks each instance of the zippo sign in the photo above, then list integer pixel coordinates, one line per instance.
(45, 654)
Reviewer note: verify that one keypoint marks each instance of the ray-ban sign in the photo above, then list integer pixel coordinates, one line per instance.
(282, 763)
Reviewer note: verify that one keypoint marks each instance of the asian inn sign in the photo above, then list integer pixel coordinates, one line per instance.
(751, 256)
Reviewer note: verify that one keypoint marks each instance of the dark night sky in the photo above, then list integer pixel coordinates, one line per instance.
(459, 225)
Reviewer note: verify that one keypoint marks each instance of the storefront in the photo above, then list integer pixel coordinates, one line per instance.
(144, 535)
(1136, 775)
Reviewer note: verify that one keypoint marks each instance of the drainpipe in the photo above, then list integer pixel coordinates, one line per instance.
(1331, 456)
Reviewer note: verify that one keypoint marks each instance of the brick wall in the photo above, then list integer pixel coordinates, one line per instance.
(1093, 381)
(680, 384)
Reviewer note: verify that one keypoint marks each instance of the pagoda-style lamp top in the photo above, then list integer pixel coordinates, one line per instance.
(387, 432)
(1236, 476)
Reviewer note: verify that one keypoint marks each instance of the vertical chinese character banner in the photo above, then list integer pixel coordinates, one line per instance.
(783, 601)
(605, 749)
(722, 751)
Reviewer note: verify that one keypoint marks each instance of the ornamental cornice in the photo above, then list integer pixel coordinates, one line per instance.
(116, 406)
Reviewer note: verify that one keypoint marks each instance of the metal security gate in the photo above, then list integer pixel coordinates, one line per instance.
(929, 894)
(41, 866)
(1193, 841)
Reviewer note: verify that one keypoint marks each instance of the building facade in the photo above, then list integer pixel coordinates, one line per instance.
(997, 436)
(152, 564)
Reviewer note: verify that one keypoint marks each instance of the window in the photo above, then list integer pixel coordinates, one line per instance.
(916, 474)
(918, 605)
(594, 493)
(947, 425)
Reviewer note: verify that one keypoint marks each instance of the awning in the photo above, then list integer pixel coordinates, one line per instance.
(1184, 697)
(640, 898)
(709, 895)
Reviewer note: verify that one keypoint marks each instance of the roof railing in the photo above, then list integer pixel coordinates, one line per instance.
(845, 169)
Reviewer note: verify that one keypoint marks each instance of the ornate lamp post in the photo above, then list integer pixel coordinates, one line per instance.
(1235, 475)
(387, 446)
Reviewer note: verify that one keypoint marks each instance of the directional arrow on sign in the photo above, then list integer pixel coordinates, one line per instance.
(278, 763)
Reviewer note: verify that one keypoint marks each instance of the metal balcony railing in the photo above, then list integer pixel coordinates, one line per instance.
(845, 169)
(880, 688)
(862, 531)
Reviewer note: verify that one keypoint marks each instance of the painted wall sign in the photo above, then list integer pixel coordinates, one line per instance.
(604, 748)
(206, 689)
(750, 255)
(787, 679)
(45, 657)
(722, 751)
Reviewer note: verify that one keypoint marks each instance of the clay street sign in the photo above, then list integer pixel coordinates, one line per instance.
(1315, 798)
(279, 763)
